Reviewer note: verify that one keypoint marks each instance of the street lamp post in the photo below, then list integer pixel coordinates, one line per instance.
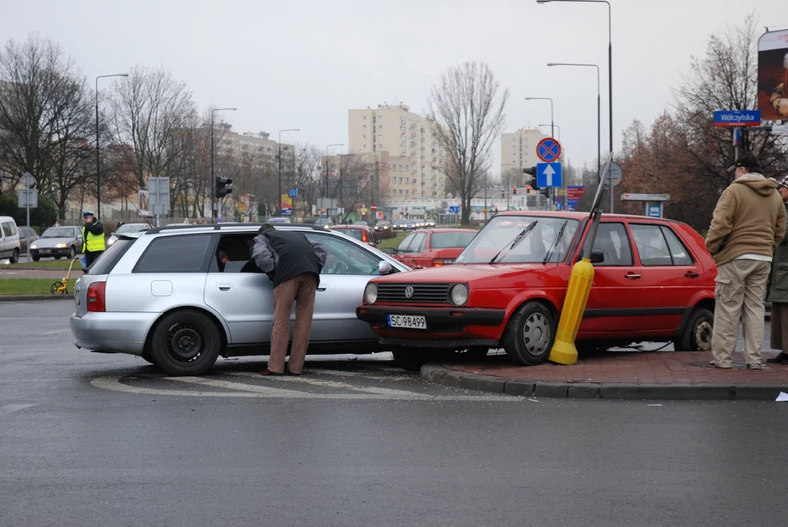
(598, 117)
(609, 57)
(212, 186)
(555, 126)
(98, 144)
(279, 171)
(327, 147)
(552, 134)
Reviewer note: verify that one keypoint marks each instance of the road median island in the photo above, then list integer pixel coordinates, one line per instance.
(616, 375)
(27, 287)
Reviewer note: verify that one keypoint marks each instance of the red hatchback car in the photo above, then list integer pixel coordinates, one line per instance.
(432, 247)
(653, 281)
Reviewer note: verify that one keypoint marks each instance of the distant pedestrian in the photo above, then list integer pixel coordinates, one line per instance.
(293, 264)
(93, 244)
(747, 226)
(778, 293)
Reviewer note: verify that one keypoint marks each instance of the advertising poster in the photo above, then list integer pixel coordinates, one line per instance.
(773, 75)
(144, 205)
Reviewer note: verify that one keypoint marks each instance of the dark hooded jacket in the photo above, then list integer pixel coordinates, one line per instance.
(283, 255)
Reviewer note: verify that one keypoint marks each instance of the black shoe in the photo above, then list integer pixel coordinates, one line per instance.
(271, 373)
(782, 358)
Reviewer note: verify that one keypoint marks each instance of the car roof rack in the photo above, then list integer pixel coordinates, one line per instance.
(226, 226)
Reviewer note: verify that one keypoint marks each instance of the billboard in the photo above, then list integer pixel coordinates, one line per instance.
(773, 75)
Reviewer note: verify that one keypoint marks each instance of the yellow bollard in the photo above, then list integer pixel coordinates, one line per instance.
(564, 350)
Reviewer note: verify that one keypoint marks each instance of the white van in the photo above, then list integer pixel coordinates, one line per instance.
(9, 239)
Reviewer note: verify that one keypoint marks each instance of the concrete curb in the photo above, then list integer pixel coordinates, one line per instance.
(24, 298)
(589, 390)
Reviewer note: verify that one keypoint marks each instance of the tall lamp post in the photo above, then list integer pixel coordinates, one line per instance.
(279, 171)
(327, 147)
(98, 144)
(609, 56)
(598, 115)
(554, 126)
(212, 186)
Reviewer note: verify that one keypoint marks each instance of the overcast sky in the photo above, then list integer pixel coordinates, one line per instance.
(304, 63)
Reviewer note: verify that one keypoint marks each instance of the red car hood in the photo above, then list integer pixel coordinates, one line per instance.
(462, 273)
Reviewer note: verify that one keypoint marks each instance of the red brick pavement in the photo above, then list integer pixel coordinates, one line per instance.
(665, 367)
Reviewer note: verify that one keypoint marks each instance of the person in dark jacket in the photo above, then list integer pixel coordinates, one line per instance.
(293, 264)
(93, 244)
(778, 293)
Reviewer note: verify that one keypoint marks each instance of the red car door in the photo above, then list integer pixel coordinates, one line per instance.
(669, 275)
(615, 303)
(416, 246)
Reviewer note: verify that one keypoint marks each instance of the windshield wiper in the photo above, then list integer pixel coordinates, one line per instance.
(555, 242)
(517, 239)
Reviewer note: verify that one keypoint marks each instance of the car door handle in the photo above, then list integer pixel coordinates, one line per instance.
(632, 276)
(224, 287)
(690, 274)
(321, 288)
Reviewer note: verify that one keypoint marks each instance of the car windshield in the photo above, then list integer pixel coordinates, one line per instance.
(131, 227)
(355, 233)
(446, 240)
(501, 231)
(58, 232)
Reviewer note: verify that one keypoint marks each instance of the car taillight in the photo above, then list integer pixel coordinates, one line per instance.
(364, 236)
(96, 297)
(442, 261)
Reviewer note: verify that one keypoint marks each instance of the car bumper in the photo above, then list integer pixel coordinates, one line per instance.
(49, 252)
(446, 327)
(112, 332)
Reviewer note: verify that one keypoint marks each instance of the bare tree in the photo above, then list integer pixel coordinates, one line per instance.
(150, 110)
(45, 118)
(469, 114)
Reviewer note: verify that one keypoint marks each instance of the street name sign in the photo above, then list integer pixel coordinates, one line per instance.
(737, 118)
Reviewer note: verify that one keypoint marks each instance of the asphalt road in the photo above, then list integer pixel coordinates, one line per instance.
(99, 440)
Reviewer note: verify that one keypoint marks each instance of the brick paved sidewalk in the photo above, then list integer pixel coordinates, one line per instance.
(638, 367)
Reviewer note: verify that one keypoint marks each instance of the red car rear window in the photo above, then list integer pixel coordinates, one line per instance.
(446, 240)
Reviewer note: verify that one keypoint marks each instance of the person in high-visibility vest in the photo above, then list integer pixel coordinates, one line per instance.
(92, 238)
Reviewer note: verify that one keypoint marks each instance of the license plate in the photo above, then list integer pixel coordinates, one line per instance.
(46, 250)
(407, 321)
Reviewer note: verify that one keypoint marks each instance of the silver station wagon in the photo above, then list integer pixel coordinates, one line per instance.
(166, 296)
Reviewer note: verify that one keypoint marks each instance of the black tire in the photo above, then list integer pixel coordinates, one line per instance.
(36, 258)
(530, 334)
(54, 288)
(14, 256)
(185, 343)
(412, 359)
(72, 252)
(146, 356)
(697, 335)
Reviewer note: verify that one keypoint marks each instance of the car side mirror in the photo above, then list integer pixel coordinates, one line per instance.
(384, 267)
(112, 233)
(597, 257)
(390, 250)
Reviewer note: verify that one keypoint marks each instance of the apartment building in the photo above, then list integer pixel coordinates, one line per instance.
(518, 151)
(409, 139)
(236, 144)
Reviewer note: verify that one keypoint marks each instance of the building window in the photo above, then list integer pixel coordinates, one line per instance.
(380, 127)
(407, 192)
(364, 136)
(365, 147)
(364, 126)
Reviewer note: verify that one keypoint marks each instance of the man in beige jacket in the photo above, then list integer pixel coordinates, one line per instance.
(747, 226)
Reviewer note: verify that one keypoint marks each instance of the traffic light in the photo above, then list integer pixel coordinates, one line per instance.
(223, 187)
(532, 172)
(514, 191)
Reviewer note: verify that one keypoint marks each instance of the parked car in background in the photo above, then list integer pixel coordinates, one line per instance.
(9, 239)
(323, 222)
(164, 295)
(57, 242)
(653, 281)
(27, 235)
(127, 228)
(405, 225)
(429, 223)
(281, 219)
(359, 232)
(384, 230)
(432, 247)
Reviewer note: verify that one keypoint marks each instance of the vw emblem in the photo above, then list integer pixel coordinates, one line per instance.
(409, 291)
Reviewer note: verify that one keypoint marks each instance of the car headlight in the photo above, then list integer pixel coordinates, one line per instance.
(370, 293)
(459, 294)
(34, 246)
(60, 246)
(110, 241)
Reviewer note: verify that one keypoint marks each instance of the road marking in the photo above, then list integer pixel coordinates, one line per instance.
(55, 332)
(345, 386)
(11, 408)
(113, 383)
